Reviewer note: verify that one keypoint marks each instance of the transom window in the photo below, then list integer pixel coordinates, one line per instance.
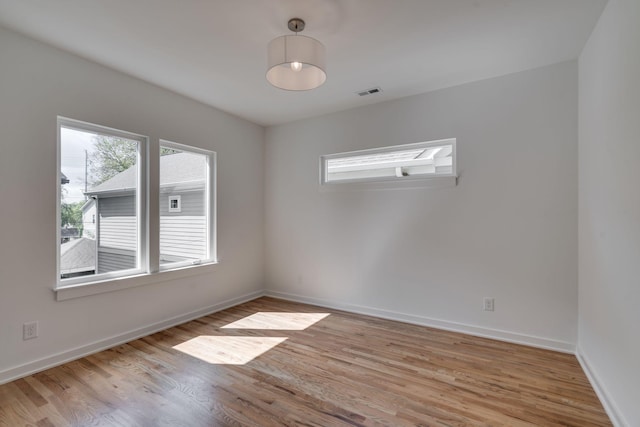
(421, 160)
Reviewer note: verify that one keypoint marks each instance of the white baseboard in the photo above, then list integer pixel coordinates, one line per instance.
(609, 406)
(57, 359)
(529, 340)
(76, 353)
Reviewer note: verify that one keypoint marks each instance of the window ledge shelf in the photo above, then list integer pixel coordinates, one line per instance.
(94, 288)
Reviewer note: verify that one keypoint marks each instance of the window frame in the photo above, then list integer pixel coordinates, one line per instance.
(178, 200)
(389, 180)
(147, 270)
(210, 206)
(141, 206)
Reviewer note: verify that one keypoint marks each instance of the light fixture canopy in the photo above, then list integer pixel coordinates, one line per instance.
(296, 62)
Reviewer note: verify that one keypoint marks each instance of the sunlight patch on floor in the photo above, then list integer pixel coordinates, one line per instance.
(221, 350)
(277, 321)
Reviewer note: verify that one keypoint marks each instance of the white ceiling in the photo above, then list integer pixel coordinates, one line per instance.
(215, 50)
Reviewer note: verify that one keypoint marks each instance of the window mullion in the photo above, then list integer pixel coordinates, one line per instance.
(153, 212)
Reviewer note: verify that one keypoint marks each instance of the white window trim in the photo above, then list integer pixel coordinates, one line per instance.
(147, 271)
(141, 208)
(414, 181)
(100, 287)
(178, 207)
(210, 207)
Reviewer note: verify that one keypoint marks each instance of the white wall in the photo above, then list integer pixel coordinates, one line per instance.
(38, 83)
(428, 255)
(507, 230)
(609, 208)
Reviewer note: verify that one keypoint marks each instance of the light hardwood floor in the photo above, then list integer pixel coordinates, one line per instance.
(270, 362)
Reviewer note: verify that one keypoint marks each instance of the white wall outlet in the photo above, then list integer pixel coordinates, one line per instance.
(488, 304)
(30, 330)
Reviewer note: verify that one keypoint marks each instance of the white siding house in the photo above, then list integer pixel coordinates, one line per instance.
(183, 225)
(89, 219)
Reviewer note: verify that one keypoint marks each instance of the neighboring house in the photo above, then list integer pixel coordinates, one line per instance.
(89, 219)
(183, 227)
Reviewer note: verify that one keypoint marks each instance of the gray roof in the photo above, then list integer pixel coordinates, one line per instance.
(175, 168)
(124, 181)
(77, 256)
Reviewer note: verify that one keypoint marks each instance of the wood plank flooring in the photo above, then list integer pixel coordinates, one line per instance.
(270, 362)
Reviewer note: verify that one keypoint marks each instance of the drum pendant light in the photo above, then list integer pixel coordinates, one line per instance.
(296, 62)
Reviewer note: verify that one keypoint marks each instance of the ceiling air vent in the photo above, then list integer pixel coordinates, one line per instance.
(371, 91)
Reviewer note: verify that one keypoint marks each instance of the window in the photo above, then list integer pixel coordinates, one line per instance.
(174, 204)
(103, 169)
(185, 223)
(400, 162)
(103, 210)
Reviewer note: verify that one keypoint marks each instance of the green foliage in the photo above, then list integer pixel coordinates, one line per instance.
(166, 151)
(111, 156)
(114, 155)
(71, 214)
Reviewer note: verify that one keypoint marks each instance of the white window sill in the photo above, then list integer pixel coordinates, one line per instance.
(391, 184)
(116, 284)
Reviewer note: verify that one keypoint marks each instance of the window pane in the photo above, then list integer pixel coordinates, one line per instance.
(98, 203)
(183, 206)
(396, 162)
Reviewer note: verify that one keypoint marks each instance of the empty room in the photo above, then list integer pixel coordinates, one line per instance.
(320, 213)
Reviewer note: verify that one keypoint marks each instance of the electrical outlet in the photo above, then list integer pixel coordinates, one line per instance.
(488, 304)
(30, 330)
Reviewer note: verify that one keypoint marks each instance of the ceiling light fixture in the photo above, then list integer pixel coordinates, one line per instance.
(296, 62)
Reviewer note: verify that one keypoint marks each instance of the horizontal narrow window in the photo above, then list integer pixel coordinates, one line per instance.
(421, 160)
